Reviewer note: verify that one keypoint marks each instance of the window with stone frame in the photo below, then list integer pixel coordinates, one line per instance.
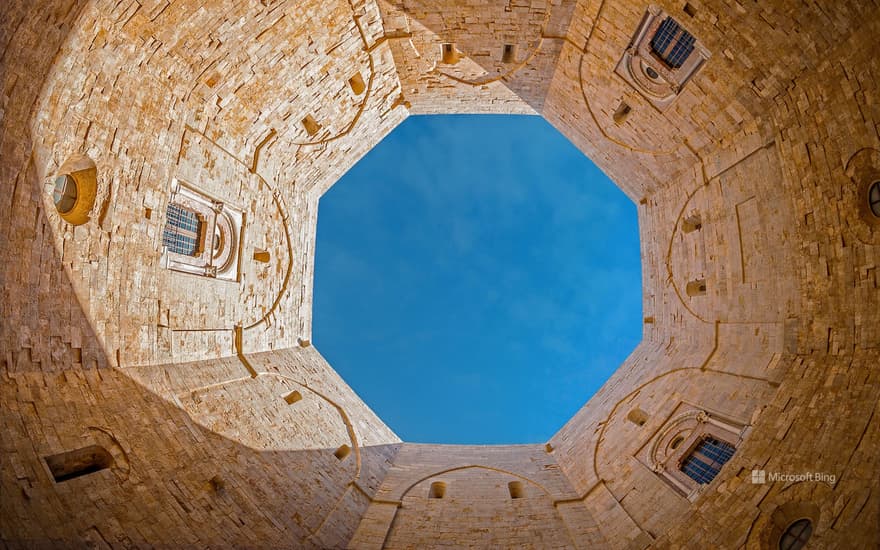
(661, 58)
(201, 235)
(704, 462)
(691, 447)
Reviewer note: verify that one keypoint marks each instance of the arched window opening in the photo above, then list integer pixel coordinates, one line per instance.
(516, 489)
(184, 231)
(79, 462)
(437, 490)
(696, 288)
(796, 535)
(704, 462)
(342, 452)
(637, 416)
(874, 198)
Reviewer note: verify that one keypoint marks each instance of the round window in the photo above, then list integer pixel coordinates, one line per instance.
(651, 73)
(796, 535)
(874, 198)
(65, 193)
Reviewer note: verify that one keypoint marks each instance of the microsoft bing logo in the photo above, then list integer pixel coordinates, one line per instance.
(761, 476)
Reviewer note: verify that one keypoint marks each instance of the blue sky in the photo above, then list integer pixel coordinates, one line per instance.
(477, 279)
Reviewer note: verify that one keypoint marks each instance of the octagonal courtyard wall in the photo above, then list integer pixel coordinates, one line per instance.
(187, 381)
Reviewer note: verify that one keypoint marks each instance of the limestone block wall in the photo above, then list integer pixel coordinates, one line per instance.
(453, 496)
(477, 77)
(209, 449)
(225, 427)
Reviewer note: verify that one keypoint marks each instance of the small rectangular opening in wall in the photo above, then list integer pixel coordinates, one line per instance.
(342, 452)
(261, 255)
(448, 54)
(79, 462)
(692, 223)
(649, 320)
(509, 55)
(622, 112)
(516, 489)
(696, 288)
(293, 397)
(357, 84)
(437, 490)
(690, 10)
(148, 213)
(311, 125)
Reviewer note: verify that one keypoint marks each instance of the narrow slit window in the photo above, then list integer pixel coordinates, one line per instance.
(672, 43)
(706, 460)
(637, 416)
(79, 462)
(448, 53)
(357, 84)
(311, 125)
(183, 231)
(623, 110)
(261, 255)
(509, 54)
(516, 489)
(293, 397)
(690, 10)
(437, 490)
(342, 452)
(696, 288)
(692, 223)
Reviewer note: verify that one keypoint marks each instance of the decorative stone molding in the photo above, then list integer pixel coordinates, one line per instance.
(659, 82)
(675, 440)
(222, 233)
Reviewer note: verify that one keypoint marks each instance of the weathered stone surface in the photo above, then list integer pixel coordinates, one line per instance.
(264, 105)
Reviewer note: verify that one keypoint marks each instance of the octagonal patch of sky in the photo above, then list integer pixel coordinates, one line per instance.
(477, 279)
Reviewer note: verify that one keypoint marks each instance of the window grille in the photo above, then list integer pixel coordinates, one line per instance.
(706, 460)
(797, 535)
(182, 228)
(672, 43)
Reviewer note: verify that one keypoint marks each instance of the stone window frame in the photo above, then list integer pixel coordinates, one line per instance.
(874, 198)
(651, 75)
(219, 255)
(666, 451)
